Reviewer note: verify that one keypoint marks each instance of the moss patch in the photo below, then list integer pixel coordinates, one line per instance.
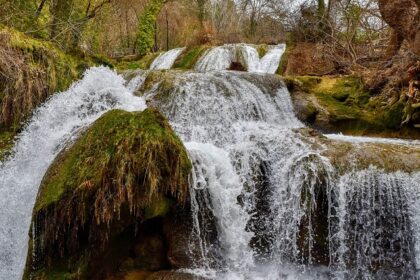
(262, 50)
(143, 63)
(284, 59)
(189, 58)
(117, 139)
(6, 143)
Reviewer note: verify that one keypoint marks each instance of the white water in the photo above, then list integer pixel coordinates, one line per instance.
(359, 139)
(217, 58)
(166, 60)
(221, 58)
(375, 228)
(231, 122)
(52, 126)
(267, 64)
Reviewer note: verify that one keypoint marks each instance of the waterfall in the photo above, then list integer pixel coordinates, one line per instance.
(231, 121)
(295, 215)
(166, 60)
(221, 58)
(51, 128)
(267, 64)
(217, 58)
(374, 230)
(281, 207)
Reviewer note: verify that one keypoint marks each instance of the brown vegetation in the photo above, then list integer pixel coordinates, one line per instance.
(30, 71)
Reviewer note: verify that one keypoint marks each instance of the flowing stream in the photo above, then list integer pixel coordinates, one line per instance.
(282, 209)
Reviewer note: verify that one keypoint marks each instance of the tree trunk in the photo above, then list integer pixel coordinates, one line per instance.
(60, 14)
(394, 44)
(167, 30)
(403, 16)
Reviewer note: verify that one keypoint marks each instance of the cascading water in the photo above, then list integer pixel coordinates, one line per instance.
(252, 127)
(217, 58)
(267, 64)
(282, 210)
(52, 126)
(166, 60)
(221, 58)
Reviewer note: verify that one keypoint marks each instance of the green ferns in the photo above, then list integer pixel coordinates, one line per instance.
(125, 169)
(147, 28)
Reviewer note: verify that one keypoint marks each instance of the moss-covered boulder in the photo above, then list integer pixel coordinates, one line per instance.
(101, 205)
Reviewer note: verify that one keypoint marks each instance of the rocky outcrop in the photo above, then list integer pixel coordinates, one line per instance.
(101, 208)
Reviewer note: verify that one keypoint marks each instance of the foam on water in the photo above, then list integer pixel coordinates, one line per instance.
(52, 126)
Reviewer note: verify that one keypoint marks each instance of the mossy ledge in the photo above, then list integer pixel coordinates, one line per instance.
(127, 169)
(342, 104)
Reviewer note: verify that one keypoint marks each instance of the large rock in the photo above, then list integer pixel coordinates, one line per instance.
(101, 206)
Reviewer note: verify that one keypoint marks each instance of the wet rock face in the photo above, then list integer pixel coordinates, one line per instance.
(172, 275)
(102, 205)
(177, 230)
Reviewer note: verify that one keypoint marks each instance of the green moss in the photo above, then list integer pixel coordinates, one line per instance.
(262, 50)
(6, 143)
(126, 169)
(115, 139)
(189, 58)
(281, 70)
(347, 106)
(165, 80)
(143, 63)
(158, 208)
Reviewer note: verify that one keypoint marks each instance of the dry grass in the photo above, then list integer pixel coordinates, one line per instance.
(29, 72)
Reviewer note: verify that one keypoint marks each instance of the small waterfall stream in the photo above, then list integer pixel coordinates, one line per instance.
(50, 129)
(166, 60)
(221, 57)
